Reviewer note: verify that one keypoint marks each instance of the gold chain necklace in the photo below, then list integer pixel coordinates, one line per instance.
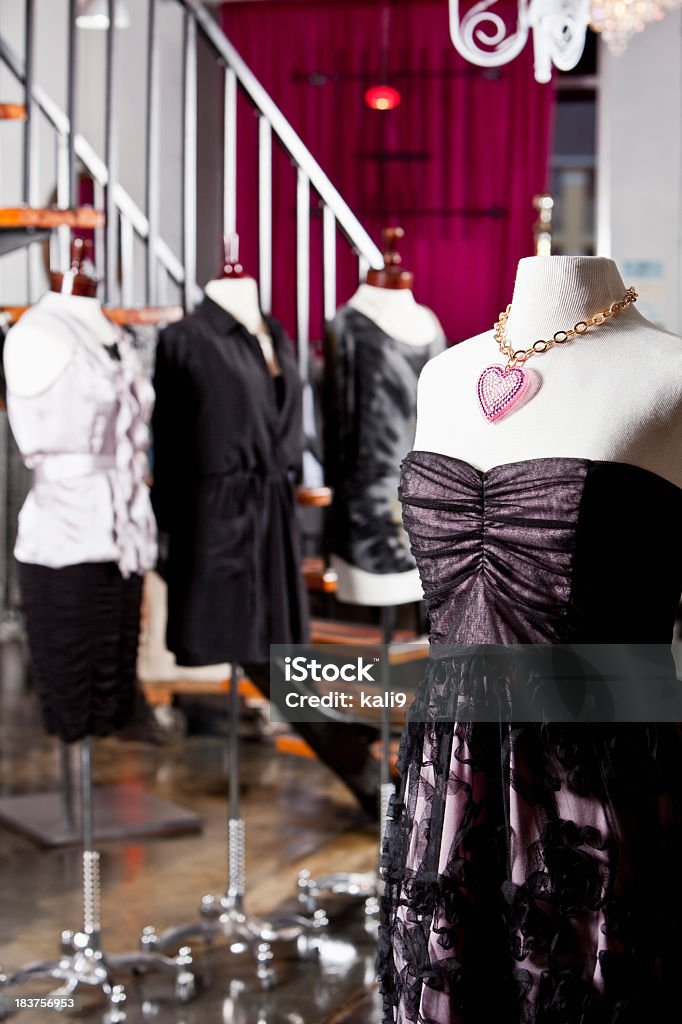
(500, 388)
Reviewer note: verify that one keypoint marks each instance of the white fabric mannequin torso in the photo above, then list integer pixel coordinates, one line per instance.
(34, 358)
(613, 394)
(238, 296)
(397, 313)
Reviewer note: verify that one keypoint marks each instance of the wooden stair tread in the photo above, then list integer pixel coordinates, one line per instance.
(12, 112)
(376, 752)
(82, 217)
(162, 691)
(150, 315)
(119, 315)
(287, 744)
(331, 631)
(318, 576)
(314, 497)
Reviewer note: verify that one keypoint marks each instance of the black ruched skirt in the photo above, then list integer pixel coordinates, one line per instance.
(83, 624)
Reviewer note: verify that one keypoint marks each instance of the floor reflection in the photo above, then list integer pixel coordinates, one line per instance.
(298, 816)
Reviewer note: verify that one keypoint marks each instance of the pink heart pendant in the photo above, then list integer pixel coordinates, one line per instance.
(500, 389)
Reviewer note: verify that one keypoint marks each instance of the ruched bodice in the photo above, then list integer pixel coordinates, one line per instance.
(544, 550)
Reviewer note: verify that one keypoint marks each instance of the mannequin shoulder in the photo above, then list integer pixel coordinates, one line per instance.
(435, 325)
(655, 358)
(35, 356)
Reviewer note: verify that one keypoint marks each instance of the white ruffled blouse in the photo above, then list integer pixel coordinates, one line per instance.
(86, 438)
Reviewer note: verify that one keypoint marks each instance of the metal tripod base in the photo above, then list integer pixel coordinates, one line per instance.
(84, 964)
(366, 885)
(223, 918)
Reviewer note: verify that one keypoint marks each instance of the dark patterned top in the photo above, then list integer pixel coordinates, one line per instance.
(370, 417)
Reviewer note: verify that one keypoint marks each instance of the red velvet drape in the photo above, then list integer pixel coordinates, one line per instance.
(457, 163)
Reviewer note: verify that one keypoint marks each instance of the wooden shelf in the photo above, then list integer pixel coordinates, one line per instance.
(12, 112)
(82, 217)
(123, 317)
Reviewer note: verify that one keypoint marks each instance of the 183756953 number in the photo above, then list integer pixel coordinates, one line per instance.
(14, 1004)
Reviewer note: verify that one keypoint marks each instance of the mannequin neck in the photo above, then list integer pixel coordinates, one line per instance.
(553, 293)
(238, 297)
(396, 313)
(87, 311)
(370, 296)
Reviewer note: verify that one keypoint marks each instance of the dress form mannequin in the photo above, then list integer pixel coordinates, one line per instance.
(612, 394)
(237, 294)
(388, 301)
(34, 358)
(556, 523)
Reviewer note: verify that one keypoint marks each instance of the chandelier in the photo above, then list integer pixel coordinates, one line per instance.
(619, 20)
(558, 27)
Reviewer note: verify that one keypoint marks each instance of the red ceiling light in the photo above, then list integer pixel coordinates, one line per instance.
(382, 97)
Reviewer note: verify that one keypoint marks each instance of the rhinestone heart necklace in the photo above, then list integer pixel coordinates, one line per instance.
(501, 388)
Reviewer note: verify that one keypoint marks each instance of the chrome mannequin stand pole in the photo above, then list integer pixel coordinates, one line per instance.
(386, 785)
(84, 962)
(224, 916)
(67, 785)
(366, 885)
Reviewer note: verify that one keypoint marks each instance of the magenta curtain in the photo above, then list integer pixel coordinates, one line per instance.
(457, 163)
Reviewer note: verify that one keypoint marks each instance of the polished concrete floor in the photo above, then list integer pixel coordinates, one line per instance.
(298, 816)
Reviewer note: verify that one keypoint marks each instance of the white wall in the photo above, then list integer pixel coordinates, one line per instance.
(640, 167)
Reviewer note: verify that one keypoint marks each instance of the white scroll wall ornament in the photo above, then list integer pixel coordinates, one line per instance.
(482, 36)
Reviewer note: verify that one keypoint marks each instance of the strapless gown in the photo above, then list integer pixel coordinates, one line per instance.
(533, 872)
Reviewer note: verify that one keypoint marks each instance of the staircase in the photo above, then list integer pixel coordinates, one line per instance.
(147, 277)
(129, 240)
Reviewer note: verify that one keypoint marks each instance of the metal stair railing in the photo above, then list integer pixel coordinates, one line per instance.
(130, 215)
(125, 219)
(336, 214)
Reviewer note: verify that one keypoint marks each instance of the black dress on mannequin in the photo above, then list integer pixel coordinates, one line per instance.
(228, 444)
(533, 871)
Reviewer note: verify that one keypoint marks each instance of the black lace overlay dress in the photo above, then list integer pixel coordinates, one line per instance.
(534, 872)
